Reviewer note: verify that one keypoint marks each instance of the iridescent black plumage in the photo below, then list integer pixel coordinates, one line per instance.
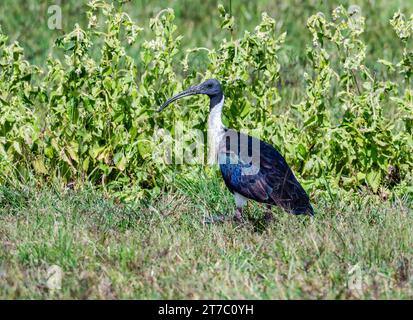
(267, 177)
(251, 168)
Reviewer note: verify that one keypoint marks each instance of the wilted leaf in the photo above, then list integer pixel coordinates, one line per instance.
(120, 161)
(39, 166)
(374, 179)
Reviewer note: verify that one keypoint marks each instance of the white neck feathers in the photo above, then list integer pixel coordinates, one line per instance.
(215, 131)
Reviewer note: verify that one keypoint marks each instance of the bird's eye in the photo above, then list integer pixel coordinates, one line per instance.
(210, 85)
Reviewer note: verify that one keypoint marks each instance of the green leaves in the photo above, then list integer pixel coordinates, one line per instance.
(402, 26)
(404, 30)
(91, 117)
(358, 147)
(228, 21)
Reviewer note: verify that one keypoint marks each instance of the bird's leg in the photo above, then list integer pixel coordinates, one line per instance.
(238, 215)
(240, 202)
(268, 217)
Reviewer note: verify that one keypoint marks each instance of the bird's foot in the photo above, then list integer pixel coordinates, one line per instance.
(215, 219)
(239, 221)
(268, 217)
(237, 218)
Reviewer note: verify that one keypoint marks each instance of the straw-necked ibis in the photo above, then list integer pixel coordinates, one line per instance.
(251, 168)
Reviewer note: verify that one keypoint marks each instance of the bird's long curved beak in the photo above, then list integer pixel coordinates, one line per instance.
(189, 92)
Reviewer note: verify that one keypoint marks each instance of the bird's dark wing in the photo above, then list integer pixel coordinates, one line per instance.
(256, 170)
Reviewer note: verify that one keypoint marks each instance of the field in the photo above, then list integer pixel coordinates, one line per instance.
(88, 208)
(356, 247)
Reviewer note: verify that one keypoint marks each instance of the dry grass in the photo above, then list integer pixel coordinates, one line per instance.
(356, 247)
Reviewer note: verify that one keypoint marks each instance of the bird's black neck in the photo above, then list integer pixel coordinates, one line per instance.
(215, 100)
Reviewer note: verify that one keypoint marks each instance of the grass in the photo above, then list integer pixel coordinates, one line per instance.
(356, 247)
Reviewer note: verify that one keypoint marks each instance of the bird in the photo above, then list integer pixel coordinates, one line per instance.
(252, 169)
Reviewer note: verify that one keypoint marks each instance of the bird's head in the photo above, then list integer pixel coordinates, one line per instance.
(210, 87)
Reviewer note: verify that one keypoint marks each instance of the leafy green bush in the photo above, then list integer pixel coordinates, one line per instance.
(364, 147)
(92, 118)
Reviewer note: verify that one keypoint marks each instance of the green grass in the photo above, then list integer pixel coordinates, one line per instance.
(159, 248)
